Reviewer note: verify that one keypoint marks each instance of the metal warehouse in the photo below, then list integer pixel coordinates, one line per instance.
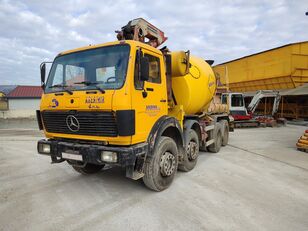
(282, 68)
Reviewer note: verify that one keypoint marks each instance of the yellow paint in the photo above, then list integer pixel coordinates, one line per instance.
(280, 68)
(122, 99)
(146, 115)
(3, 102)
(178, 113)
(178, 64)
(193, 92)
(89, 47)
(196, 89)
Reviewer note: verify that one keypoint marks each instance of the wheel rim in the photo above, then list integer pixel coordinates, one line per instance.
(192, 150)
(167, 164)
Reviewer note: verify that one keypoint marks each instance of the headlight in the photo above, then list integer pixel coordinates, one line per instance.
(108, 156)
(44, 148)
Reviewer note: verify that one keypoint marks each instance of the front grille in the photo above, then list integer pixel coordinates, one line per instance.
(90, 123)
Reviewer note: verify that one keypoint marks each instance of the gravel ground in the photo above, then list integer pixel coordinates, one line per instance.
(258, 182)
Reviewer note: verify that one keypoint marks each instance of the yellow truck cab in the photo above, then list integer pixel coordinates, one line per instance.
(117, 103)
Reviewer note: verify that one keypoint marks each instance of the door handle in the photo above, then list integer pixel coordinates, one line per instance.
(163, 100)
(149, 89)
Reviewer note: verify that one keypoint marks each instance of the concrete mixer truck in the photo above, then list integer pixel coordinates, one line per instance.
(127, 103)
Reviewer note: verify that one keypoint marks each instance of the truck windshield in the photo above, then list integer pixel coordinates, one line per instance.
(101, 68)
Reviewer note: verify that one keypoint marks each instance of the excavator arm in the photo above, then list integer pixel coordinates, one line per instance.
(264, 94)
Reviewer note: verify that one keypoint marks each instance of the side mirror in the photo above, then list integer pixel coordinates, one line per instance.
(43, 73)
(187, 53)
(144, 68)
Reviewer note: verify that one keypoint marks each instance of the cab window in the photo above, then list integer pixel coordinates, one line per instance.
(58, 77)
(137, 82)
(224, 99)
(74, 74)
(104, 74)
(154, 69)
(154, 72)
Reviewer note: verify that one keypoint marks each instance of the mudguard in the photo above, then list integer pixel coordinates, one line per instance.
(161, 125)
(193, 124)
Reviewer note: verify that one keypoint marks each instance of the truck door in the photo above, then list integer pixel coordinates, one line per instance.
(149, 98)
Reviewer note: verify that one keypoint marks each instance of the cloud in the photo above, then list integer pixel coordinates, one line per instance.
(35, 31)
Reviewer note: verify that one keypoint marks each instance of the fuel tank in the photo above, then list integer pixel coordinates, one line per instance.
(196, 89)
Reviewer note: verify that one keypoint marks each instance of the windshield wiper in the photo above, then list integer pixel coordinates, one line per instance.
(63, 86)
(88, 83)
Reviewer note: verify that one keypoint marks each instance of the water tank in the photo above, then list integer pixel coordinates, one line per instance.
(196, 89)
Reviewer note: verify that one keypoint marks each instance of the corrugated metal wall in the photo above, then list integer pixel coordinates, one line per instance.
(280, 68)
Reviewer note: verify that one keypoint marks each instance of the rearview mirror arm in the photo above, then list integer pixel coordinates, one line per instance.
(43, 73)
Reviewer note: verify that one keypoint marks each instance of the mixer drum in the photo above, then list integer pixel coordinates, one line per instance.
(196, 89)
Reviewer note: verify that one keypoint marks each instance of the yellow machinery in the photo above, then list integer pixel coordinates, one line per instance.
(3, 102)
(196, 89)
(127, 103)
(279, 68)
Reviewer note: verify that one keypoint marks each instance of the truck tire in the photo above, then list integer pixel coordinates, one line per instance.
(88, 168)
(217, 136)
(225, 132)
(160, 169)
(191, 151)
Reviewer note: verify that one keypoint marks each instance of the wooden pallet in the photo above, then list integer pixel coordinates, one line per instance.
(302, 149)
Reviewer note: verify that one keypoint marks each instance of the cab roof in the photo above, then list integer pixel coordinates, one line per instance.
(130, 42)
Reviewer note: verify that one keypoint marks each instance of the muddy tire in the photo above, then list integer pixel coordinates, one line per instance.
(88, 169)
(160, 169)
(217, 136)
(191, 151)
(225, 132)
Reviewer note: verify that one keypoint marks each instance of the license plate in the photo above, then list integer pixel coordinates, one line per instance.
(71, 156)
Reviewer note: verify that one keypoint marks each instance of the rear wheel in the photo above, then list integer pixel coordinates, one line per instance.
(88, 168)
(225, 133)
(217, 136)
(160, 169)
(191, 151)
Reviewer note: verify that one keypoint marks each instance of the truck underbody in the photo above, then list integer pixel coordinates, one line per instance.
(212, 133)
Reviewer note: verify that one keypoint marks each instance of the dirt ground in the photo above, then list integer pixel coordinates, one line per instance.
(258, 182)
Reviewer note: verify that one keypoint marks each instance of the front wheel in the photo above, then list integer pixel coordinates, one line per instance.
(88, 168)
(160, 169)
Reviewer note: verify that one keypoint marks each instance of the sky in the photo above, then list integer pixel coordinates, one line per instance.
(36, 31)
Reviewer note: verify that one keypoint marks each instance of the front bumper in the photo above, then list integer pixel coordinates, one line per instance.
(132, 157)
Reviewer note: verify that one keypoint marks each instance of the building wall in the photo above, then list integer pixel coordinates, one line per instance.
(24, 104)
(21, 108)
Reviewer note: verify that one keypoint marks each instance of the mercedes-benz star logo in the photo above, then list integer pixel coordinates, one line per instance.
(72, 123)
